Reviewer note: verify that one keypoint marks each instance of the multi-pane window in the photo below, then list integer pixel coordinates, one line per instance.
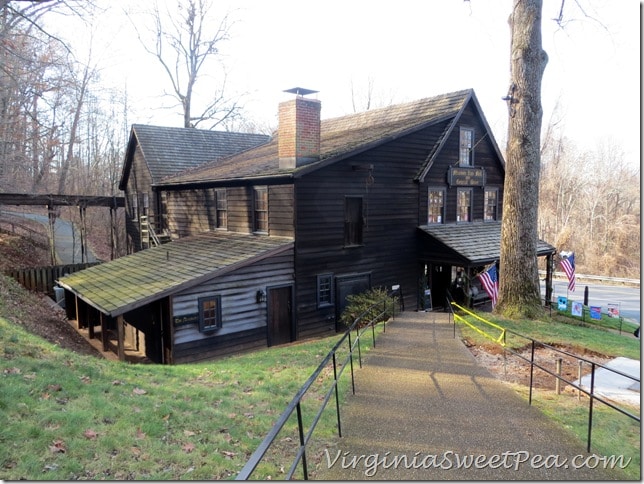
(260, 219)
(436, 206)
(353, 221)
(209, 313)
(491, 204)
(325, 290)
(464, 205)
(466, 147)
(221, 203)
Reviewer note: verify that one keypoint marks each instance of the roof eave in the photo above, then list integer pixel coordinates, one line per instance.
(129, 157)
(179, 287)
(227, 182)
(300, 172)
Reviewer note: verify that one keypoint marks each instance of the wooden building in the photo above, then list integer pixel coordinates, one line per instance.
(407, 195)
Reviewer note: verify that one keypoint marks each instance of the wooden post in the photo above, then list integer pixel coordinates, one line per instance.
(104, 336)
(121, 337)
(558, 380)
(52, 233)
(113, 233)
(77, 311)
(83, 235)
(549, 266)
(91, 321)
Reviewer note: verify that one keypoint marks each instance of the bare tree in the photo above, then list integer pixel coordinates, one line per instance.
(519, 294)
(366, 98)
(31, 58)
(184, 45)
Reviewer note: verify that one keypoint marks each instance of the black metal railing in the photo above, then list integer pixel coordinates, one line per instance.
(368, 319)
(590, 390)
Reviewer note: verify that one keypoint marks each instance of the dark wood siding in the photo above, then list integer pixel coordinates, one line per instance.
(280, 210)
(190, 212)
(484, 156)
(391, 212)
(244, 319)
(138, 183)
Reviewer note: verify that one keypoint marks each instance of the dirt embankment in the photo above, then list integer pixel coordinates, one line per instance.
(35, 312)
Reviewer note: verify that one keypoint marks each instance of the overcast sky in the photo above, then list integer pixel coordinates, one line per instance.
(408, 49)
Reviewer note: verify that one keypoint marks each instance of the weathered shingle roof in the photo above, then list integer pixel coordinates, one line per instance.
(478, 243)
(169, 151)
(338, 137)
(134, 280)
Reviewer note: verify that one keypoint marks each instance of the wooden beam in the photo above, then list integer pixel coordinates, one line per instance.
(61, 200)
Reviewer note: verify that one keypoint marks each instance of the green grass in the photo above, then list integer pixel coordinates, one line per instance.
(66, 416)
(605, 321)
(612, 433)
(560, 332)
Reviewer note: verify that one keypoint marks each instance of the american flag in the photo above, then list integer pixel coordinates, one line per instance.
(490, 281)
(568, 265)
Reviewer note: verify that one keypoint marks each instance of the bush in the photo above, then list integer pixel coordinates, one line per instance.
(369, 305)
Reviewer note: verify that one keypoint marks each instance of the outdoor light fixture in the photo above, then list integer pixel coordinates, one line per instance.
(260, 296)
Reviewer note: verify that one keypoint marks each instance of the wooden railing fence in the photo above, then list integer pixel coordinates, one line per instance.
(43, 279)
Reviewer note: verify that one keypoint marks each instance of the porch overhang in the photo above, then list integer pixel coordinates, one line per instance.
(467, 244)
(138, 279)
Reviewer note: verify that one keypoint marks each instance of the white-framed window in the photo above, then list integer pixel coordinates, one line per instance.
(435, 206)
(466, 146)
(491, 204)
(260, 200)
(464, 205)
(209, 313)
(221, 207)
(325, 290)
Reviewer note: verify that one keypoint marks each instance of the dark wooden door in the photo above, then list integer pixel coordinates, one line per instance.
(280, 315)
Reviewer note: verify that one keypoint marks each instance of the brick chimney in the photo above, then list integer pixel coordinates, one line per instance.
(299, 130)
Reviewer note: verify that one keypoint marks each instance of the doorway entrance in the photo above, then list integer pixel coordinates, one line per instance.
(280, 315)
(436, 278)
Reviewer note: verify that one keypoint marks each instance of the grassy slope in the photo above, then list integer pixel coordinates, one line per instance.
(68, 416)
(612, 432)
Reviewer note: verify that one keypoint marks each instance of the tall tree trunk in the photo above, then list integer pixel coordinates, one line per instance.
(519, 294)
(73, 131)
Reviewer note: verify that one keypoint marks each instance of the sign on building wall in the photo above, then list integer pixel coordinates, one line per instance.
(466, 176)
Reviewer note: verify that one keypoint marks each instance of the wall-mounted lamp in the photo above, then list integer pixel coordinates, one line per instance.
(260, 296)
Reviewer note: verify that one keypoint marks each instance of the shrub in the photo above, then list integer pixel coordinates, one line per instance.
(371, 304)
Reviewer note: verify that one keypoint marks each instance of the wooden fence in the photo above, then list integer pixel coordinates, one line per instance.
(43, 279)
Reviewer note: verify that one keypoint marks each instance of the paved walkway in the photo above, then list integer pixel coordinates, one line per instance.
(422, 399)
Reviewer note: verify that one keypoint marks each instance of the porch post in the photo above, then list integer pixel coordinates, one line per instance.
(121, 338)
(104, 336)
(113, 229)
(549, 264)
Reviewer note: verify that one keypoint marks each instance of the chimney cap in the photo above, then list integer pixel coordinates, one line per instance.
(300, 91)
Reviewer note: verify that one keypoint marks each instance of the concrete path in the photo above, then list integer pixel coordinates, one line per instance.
(423, 406)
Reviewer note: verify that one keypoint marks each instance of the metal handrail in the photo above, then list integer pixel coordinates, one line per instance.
(295, 404)
(533, 364)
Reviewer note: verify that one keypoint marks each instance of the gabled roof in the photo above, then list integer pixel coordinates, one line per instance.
(339, 138)
(168, 151)
(448, 130)
(135, 280)
(475, 244)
